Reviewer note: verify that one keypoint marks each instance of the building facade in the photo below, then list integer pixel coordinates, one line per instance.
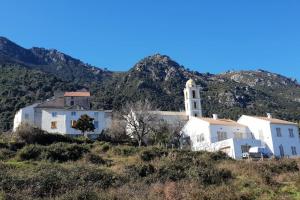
(214, 134)
(279, 136)
(59, 114)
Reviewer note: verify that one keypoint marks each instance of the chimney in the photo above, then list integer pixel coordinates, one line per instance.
(269, 115)
(215, 116)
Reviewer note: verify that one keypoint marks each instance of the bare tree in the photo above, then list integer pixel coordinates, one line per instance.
(117, 130)
(140, 120)
(176, 132)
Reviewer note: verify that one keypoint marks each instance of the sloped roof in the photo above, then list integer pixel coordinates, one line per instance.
(274, 120)
(168, 113)
(77, 94)
(224, 122)
(52, 103)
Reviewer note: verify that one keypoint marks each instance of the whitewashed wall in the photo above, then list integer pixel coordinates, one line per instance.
(20, 116)
(269, 135)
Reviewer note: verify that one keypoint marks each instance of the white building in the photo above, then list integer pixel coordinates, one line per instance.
(192, 99)
(58, 114)
(279, 136)
(276, 137)
(214, 134)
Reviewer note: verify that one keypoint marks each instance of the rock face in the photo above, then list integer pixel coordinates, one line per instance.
(157, 78)
(50, 61)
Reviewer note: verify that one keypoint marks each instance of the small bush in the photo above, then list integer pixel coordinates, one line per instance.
(6, 154)
(150, 154)
(95, 159)
(64, 152)
(56, 152)
(81, 194)
(105, 147)
(172, 172)
(30, 152)
(125, 150)
(33, 135)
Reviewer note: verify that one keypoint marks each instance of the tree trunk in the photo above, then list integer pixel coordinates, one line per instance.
(140, 143)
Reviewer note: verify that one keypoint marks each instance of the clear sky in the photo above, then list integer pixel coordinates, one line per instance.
(207, 36)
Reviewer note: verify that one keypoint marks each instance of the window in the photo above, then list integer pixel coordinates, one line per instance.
(96, 124)
(72, 103)
(200, 138)
(73, 122)
(194, 93)
(54, 114)
(281, 151)
(294, 152)
(222, 135)
(291, 132)
(238, 135)
(26, 116)
(73, 113)
(96, 114)
(195, 105)
(195, 115)
(54, 125)
(278, 132)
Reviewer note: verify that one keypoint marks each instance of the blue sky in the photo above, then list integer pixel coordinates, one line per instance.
(207, 36)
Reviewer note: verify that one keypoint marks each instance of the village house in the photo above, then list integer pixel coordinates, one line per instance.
(58, 115)
(279, 136)
(276, 137)
(214, 134)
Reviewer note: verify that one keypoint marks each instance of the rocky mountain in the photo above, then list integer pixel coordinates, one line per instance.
(50, 61)
(157, 78)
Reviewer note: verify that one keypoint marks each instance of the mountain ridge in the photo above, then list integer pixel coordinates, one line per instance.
(157, 77)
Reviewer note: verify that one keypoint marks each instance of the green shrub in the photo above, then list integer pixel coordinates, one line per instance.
(15, 145)
(30, 152)
(53, 180)
(64, 152)
(3, 145)
(173, 172)
(56, 152)
(140, 170)
(95, 159)
(34, 135)
(150, 154)
(284, 165)
(81, 194)
(105, 147)
(6, 154)
(125, 150)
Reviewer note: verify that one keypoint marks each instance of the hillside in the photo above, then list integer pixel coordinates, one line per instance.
(50, 61)
(20, 87)
(156, 77)
(48, 166)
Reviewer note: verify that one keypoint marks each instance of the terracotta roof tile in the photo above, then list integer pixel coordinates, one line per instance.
(274, 120)
(77, 94)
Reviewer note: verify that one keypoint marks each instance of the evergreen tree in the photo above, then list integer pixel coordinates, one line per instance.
(84, 124)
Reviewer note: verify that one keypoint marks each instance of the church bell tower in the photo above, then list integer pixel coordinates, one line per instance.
(192, 99)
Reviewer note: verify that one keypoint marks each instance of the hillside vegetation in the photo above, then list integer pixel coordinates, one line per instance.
(38, 165)
(30, 75)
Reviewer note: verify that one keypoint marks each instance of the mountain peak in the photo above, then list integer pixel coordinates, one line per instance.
(156, 62)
